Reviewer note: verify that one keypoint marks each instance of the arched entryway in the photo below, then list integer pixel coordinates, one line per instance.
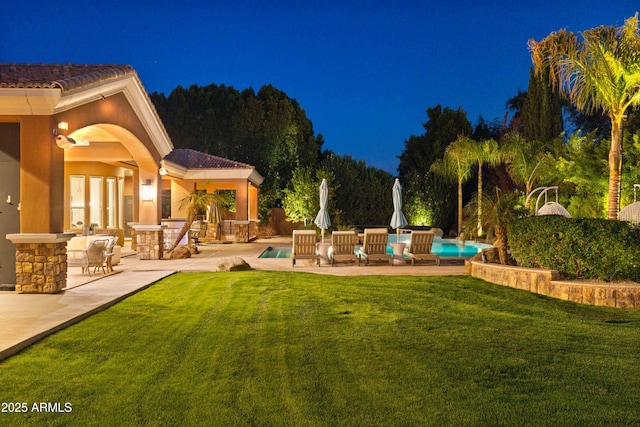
(103, 180)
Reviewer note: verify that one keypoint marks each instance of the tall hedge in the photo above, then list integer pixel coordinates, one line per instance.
(577, 248)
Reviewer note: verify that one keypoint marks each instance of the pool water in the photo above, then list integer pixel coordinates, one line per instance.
(442, 247)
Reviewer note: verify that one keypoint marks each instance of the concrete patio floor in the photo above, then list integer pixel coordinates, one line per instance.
(27, 318)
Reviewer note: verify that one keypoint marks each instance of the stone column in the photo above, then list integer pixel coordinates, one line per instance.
(41, 262)
(149, 241)
(241, 231)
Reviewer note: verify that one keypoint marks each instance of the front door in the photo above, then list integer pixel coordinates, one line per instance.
(9, 198)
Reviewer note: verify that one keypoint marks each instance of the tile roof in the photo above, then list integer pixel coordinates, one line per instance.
(63, 76)
(192, 159)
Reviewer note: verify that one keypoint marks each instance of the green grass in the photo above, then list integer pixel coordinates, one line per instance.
(273, 348)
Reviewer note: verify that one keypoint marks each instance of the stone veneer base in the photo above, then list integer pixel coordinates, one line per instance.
(41, 262)
(149, 241)
(547, 282)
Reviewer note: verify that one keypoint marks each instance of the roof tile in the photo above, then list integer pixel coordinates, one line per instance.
(192, 159)
(63, 76)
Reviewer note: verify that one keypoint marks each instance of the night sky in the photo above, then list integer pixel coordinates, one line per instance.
(364, 71)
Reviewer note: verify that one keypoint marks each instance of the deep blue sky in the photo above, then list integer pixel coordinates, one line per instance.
(364, 71)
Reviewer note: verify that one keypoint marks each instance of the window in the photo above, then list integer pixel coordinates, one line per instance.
(77, 200)
(95, 200)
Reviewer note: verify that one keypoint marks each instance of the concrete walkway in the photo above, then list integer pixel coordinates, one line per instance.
(27, 318)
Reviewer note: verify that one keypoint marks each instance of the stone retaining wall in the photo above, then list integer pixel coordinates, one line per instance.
(547, 282)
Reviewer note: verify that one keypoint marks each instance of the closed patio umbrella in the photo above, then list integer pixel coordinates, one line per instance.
(322, 219)
(397, 219)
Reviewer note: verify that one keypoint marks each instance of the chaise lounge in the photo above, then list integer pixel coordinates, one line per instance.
(304, 246)
(419, 247)
(343, 244)
(374, 245)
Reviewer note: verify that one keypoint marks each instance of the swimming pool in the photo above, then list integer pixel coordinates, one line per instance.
(446, 248)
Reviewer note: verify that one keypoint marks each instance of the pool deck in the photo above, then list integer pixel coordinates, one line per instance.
(27, 318)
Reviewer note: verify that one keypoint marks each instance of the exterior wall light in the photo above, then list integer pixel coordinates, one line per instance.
(63, 125)
(147, 191)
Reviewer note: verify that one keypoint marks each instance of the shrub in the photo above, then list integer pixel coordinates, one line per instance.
(577, 248)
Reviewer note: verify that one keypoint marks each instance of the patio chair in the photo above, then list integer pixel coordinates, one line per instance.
(419, 247)
(92, 256)
(304, 246)
(109, 253)
(343, 244)
(374, 245)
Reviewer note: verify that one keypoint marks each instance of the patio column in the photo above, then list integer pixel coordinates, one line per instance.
(242, 200)
(41, 262)
(41, 177)
(149, 241)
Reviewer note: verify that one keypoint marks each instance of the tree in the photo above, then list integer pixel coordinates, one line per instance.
(196, 203)
(483, 152)
(361, 192)
(514, 105)
(302, 199)
(541, 114)
(601, 71)
(527, 161)
(498, 210)
(456, 164)
(582, 169)
(427, 193)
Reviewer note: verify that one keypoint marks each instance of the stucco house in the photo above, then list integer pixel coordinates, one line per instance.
(83, 145)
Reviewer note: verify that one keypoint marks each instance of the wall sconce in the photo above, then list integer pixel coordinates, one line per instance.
(63, 125)
(147, 191)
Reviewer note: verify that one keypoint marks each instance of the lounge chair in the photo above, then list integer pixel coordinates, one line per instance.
(304, 246)
(343, 244)
(374, 245)
(92, 256)
(419, 247)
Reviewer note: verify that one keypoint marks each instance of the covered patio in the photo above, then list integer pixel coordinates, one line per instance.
(82, 151)
(185, 170)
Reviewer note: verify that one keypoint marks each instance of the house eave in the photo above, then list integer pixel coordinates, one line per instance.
(29, 101)
(173, 170)
(250, 175)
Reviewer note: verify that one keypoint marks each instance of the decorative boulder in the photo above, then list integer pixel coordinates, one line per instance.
(233, 264)
(181, 252)
(491, 255)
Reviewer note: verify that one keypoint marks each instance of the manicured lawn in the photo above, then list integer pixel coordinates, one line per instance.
(273, 348)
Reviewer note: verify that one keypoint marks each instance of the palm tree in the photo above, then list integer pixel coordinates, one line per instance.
(484, 152)
(498, 210)
(601, 72)
(195, 203)
(527, 164)
(456, 164)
